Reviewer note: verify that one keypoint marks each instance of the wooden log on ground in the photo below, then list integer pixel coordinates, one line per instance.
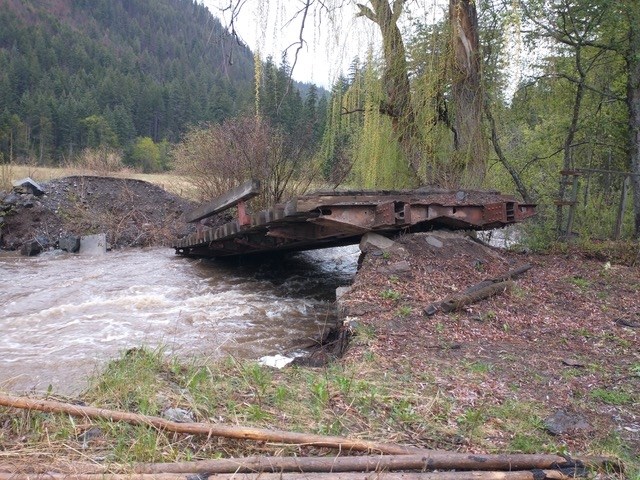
(239, 194)
(208, 429)
(521, 475)
(477, 292)
(516, 272)
(456, 302)
(434, 460)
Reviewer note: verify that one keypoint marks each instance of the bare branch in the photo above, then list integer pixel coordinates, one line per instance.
(536, 158)
(565, 36)
(301, 42)
(345, 111)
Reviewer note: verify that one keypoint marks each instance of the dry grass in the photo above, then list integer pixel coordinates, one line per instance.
(168, 181)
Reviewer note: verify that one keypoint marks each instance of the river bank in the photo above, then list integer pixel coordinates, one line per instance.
(131, 212)
(551, 365)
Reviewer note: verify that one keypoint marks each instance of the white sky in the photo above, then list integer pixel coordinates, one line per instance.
(332, 40)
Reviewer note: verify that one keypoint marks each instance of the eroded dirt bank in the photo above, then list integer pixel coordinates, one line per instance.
(563, 341)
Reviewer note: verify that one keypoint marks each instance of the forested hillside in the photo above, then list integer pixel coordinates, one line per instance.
(90, 73)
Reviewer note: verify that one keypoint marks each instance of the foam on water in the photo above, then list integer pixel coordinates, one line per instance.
(63, 316)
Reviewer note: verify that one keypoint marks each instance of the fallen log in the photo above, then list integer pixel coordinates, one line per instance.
(522, 475)
(473, 295)
(480, 291)
(209, 429)
(516, 272)
(434, 460)
(427, 461)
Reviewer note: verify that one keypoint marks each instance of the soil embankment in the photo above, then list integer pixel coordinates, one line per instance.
(553, 360)
(131, 212)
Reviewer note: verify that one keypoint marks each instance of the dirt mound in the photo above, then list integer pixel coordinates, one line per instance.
(131, 213)
(563, 338)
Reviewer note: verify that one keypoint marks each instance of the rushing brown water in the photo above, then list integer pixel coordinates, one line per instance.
(64, 316)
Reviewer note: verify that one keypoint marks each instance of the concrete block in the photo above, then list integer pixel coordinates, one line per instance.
(93, 244)
(27, 185)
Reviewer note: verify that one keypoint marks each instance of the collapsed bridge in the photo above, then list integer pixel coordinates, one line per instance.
(335, 218)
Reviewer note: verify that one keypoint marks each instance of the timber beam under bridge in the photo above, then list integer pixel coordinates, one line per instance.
(328, 219)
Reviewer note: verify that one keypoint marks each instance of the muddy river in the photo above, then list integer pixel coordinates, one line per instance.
(62, 316)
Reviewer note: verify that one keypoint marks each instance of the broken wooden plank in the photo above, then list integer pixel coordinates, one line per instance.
(239, 194)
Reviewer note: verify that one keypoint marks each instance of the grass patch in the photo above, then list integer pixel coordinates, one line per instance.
(523, 422)
(350, 398)
(611, 397)
(169, 181)
(581, 283)
(390, 294)
(478, 367)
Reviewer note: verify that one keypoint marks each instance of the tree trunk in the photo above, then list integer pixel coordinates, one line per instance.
(495, 140)
(633, 102)
(466, 87)
(395, 77)
(568, 142)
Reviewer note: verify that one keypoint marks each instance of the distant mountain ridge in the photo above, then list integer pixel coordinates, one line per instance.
(87, 73)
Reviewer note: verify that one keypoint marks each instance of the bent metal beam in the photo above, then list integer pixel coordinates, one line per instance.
(328, 219)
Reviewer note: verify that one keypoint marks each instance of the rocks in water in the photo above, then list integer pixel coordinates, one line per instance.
(34, 247)
(566, 422)
(69, 243)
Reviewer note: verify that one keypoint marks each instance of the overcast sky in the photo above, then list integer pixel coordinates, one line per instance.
(331, 43)
(331, 40)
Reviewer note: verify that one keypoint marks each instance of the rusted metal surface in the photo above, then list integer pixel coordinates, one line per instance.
(233, 197)
(326, 219)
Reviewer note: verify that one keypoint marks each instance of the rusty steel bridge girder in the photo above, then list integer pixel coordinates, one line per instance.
(328, 219)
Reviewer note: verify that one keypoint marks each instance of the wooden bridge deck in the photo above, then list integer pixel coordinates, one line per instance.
(327, 219)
